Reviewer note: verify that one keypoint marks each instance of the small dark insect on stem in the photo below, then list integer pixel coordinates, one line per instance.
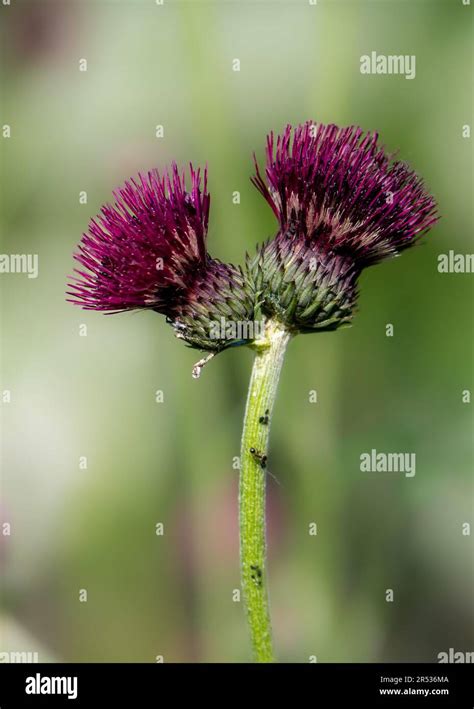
(262, 459)
(264, 419)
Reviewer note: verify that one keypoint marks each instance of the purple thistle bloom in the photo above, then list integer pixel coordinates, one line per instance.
(338, 188)
(342, 204)
(144, 251)
(148, 251)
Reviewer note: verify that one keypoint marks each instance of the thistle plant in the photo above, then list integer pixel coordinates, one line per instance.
(342, 204)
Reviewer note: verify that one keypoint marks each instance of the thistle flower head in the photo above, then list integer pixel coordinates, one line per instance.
(342, 204)
(144, 251)
(148, 251)
(337, 187)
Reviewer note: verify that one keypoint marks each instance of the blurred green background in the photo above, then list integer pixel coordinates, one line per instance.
(172, 462)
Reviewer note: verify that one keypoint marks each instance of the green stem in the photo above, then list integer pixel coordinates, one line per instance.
(270, 352)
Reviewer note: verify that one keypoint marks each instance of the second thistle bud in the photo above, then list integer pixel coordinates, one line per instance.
(303, 288)
(215, 303)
